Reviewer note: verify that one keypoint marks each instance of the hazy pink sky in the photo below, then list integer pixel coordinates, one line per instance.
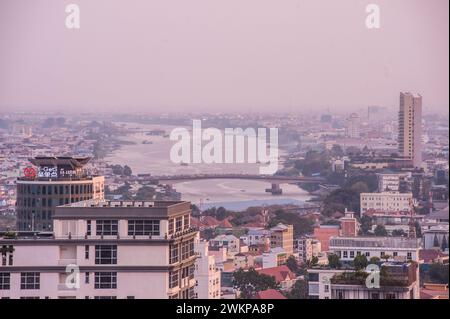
(221, 55)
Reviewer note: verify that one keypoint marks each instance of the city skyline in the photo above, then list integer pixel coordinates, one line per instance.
(207, 57)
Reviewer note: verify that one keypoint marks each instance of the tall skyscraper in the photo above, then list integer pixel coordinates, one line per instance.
(53, 181)
(410, 127)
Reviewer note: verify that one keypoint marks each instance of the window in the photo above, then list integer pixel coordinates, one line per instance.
(173, 279)
(352, 254)
(143, 227)
(395, 254)
(327, 288)
(375, 295)
(105, 254)
(345, 254)
(86, 252)
(105, 297)
(173, 254)
(409, 255)
(186, 221)
(179, 224)
(105, 280)
(30, 280)
(367, 254)
(170, 226)
(89, 228)
(390, 296)
(5, 280)
(313, 277)
(86, 278)
(107, 227)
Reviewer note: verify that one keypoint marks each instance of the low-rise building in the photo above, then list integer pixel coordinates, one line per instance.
(385, 202)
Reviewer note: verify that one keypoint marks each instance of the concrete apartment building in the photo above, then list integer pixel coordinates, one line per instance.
(402, 276)
(385, 202)
(283, 236)
(54, 181)
(390, 182)
(207, 274)
(398, 248)
(399, 281)
(125, 249)
(307, 248)
(410, 128)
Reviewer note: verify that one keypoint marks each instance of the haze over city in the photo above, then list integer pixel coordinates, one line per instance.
(216, 56)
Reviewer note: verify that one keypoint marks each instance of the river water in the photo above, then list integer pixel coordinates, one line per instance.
(153, 157)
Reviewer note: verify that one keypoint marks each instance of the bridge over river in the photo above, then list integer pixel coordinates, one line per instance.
(274, 180)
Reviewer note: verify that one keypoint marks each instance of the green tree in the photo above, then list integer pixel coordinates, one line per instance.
(444, 244)
(145, 193)
(334, 261)
(380, 231)
(360, 187)
(438, 273)
(398, 233)
(366, 224)
(418, 229)
(250, 282)
(127, 171)
(374, 260)
(360, 262)
(299, 290)
(292, 264)
(314, 260)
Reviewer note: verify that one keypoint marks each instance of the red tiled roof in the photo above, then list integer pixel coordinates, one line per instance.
(429, 255)
(225, 224)
(281, 273)
(269, 294)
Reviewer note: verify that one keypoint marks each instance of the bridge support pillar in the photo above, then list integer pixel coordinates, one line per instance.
(275, 189)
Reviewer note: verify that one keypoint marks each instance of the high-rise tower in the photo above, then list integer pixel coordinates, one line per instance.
(410, 128)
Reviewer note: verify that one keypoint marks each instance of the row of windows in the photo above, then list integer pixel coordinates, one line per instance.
(177, 275)
(351, 254)
(178, 224)
(183, 250)
(32, 280)
(135, 227)
(49, 202)
(54, 189)
(34, 214)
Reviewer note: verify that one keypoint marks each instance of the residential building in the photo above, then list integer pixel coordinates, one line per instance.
(230, 242)
(396, 248)
(284, 278)
(397, 281)
(385, 202)
(275, 257)
(104, 249)
(307, 248)
(282, 236)
(207, 274)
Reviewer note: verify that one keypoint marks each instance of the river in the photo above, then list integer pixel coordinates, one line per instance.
(153, 157)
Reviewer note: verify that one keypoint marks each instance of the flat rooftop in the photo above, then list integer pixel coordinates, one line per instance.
(96, 209)
(375, 242)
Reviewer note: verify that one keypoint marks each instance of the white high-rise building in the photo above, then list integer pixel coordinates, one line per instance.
(206, 273)
(410, 127)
